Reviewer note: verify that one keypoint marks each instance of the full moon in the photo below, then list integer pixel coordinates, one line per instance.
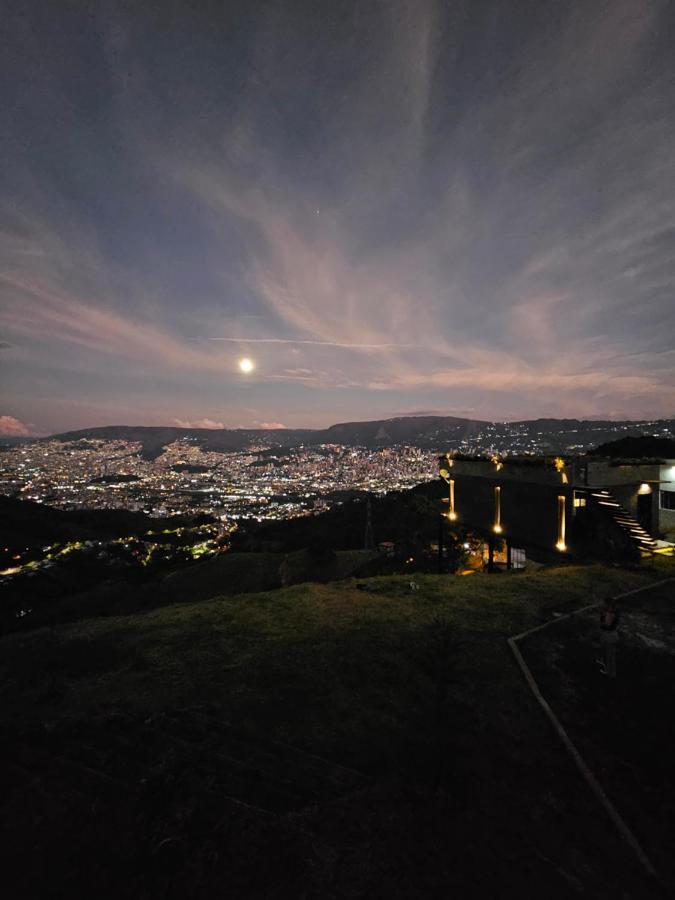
(246, 364)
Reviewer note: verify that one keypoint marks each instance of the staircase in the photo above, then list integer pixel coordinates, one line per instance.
(627, 523)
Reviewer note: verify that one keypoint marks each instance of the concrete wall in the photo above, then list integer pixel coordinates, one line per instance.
(667, 516)
(606, 473)
(529, 511)
(530, 490)
(526, 471)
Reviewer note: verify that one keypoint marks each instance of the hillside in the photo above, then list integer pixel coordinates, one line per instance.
(154, 439)
(430, 432)
(409, 430)
(24, 523)
(321, 740)
(644, 447)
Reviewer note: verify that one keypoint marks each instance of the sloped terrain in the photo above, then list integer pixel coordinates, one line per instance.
(321, 740)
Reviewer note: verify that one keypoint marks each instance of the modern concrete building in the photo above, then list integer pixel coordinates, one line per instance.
(552, 507)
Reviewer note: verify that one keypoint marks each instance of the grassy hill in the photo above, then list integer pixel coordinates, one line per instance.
(336, 740)
(224, 575)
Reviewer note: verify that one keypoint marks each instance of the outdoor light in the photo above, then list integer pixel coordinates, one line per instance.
(452, 515)
(497, 527)
(560, 543)
(645, 488)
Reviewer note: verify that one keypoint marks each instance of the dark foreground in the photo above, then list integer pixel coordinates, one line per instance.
(320, 741)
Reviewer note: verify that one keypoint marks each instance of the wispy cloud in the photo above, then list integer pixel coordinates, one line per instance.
(346, 346)
(429, 205)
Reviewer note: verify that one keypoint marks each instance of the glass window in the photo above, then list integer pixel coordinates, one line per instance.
(667, 499)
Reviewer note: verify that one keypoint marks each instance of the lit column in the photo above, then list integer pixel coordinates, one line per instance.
(452, 515)
(497, 527)
(561, 545)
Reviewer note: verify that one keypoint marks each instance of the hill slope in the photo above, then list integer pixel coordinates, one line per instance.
(432, 432)
(467, 789)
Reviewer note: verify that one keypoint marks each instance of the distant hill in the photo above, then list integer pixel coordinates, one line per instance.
(154, 439)
(421, 430)
(25, 524)
(428, 432)
(402, 430)
(642, 447)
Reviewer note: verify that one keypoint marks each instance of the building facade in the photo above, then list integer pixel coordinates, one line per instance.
(564, 508)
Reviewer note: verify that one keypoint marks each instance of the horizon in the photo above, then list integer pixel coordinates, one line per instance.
(266, 216)
(274, 427)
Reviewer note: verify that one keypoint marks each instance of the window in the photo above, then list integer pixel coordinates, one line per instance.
(517, 558)
(667, 499)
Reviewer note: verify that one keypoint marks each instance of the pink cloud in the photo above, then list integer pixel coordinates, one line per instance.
(271, 426)
(36, 311)
(199, 423)
(12, 427)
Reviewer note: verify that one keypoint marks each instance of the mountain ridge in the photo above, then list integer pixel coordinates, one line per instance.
(423, 431)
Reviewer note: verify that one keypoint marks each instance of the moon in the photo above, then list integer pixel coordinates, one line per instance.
(246, 365)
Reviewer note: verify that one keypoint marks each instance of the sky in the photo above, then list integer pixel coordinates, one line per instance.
(391, 208)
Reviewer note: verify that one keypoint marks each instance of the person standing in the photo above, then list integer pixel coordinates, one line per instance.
(609, 637)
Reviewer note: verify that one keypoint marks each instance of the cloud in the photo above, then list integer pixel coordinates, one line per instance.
(271, 426)
(410, 205)
(13, 427)
(199, 423)
(354, 346)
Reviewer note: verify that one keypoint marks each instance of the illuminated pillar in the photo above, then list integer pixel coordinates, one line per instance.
(561, 545)
(497, 527)
(452, 515)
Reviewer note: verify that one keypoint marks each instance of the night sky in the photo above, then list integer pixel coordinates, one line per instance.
(461, 208)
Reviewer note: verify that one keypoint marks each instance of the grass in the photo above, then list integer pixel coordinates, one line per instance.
(470, 790)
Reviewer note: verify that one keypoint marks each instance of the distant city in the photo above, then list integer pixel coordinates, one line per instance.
(266, 479)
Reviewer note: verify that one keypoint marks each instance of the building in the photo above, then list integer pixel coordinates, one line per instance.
(582, 507)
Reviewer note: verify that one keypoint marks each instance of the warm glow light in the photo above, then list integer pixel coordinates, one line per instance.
(497, 529)
(452, 516)
(560, 543)
(246, 365)
(645, 488)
